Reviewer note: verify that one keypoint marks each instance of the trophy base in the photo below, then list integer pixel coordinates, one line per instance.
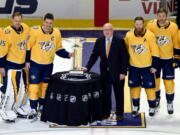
(76, 74)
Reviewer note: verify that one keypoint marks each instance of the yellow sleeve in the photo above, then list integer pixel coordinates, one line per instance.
(153, 46)
(177, 50)
(28, 30)
(174, 32)
(32, 39)
(60, 51)
(126, 40)
(59, 41)
(179, 39)
(175, 36)
(154, 51)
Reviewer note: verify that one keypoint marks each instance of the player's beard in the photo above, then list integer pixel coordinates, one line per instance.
(139, 31)
(163, 23)
(16, 26)
(47, 29)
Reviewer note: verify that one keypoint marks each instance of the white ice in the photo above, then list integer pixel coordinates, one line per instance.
(161, 124)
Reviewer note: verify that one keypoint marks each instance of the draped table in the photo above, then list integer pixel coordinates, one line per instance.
(73, 101)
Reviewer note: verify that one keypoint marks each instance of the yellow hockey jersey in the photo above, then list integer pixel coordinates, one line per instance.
(13, 44)
(141, 49)
(166, 38)
(43, 46)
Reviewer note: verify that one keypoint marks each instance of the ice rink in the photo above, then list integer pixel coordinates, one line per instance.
(161, 124)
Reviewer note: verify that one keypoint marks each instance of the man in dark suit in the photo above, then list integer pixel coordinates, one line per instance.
(113, 67)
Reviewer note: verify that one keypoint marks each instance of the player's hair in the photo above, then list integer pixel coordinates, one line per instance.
(162, 10)
(49, 16)
(17, 14)
(139, 18)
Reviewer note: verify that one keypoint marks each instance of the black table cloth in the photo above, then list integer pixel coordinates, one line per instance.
(73, 102)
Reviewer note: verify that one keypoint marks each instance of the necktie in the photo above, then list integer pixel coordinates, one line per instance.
(108, 48)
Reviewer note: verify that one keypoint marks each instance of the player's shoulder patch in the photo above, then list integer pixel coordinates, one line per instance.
(7, 31)
(152, 21)
(56, 30)
(35, 27)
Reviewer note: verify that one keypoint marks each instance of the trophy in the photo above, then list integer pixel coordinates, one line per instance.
(77, 60)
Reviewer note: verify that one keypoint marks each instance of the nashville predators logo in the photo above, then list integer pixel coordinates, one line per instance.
(2, 43)
(139, 49)
(162, 40)
(22, 45)
(33, 77)
(46, 46)
(7, 31)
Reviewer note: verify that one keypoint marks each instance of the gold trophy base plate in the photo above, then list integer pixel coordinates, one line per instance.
(76, 72)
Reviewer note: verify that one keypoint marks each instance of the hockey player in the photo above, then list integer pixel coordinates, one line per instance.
(166, 38)
(144, 55)
(12, 63)
(45, 42)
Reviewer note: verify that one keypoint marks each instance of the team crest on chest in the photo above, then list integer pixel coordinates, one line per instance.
(7, 31)
(46, 46)
(162, 40)
(139, 49)
(22, 45)
(33, 77)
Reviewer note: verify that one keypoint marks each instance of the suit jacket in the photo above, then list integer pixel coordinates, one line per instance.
(115, 64)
